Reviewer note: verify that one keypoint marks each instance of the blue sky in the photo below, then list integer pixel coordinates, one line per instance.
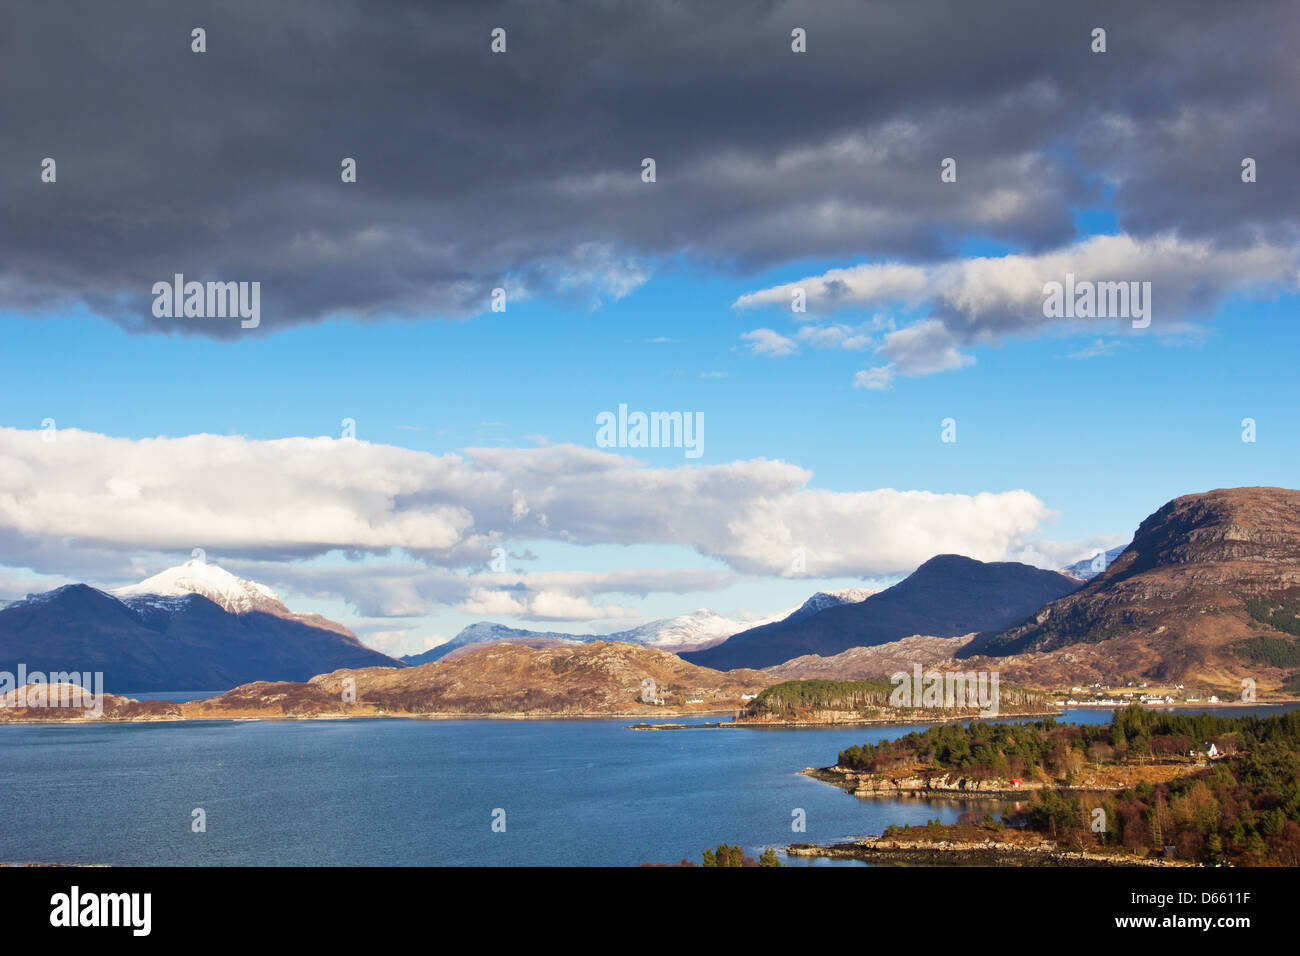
(1103, 440)
(777, 168)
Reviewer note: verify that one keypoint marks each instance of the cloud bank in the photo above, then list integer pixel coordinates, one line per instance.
(90, 498)
(522, 170)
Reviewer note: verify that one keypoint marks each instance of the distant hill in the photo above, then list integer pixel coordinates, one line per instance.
(179, 640)
(947, 596)
(872, 663)
(696, 630)
(1209, 589)
(600, 677)
(485, 632)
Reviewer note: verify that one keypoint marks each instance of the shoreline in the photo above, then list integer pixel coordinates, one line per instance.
(827, 724)
(879, 850)
(1274, 702)
(849, 780)
(642, 724)
(236, 718)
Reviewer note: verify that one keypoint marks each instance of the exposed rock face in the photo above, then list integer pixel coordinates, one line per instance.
(1171, 604)
(871, 784)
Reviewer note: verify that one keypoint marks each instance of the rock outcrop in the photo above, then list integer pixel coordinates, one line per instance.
(1172, 605)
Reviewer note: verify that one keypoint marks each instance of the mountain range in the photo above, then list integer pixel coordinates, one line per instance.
(195, 627)
(687, 632)
(1208, 590)
(947, 596)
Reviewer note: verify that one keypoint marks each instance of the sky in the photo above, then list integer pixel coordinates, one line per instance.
(386, 448)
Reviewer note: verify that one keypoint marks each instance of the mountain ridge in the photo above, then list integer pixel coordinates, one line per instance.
(694, 630)
(1175, 602)
(947, 596)
(184, 640)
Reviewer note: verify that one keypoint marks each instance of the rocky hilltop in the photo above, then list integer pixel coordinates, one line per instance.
(598, 678)
(590, 680)
(1206, 591)
(869, 663)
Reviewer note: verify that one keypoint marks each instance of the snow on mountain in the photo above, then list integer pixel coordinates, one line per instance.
(236, 595)
(827, 599)
(694, 631)
(168, 590)
(486, 632)
(1089, 568)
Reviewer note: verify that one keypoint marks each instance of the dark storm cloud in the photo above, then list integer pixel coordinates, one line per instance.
(523, 170)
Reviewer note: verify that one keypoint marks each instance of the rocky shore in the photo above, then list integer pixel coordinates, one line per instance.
(885, 851)
(873, 784)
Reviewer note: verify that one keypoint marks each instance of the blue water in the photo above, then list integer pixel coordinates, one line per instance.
(407, 792)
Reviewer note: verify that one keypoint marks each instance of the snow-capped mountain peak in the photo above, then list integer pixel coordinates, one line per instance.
(692, 631)
(1089, 568)
(234, 594)
(828, 599)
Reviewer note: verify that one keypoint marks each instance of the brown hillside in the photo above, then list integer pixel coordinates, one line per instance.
(1173, 604)
(602, 677)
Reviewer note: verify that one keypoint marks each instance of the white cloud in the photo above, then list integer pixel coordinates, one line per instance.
(847, 338)
(1060, 554)
(387, 589)
(595, 270)
(296, 498)
(886, 282)
(558, 606)
(920, 349)
(844, 337)
(770, 343)
(982, 291)
(1097, 348)
(981, 299)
